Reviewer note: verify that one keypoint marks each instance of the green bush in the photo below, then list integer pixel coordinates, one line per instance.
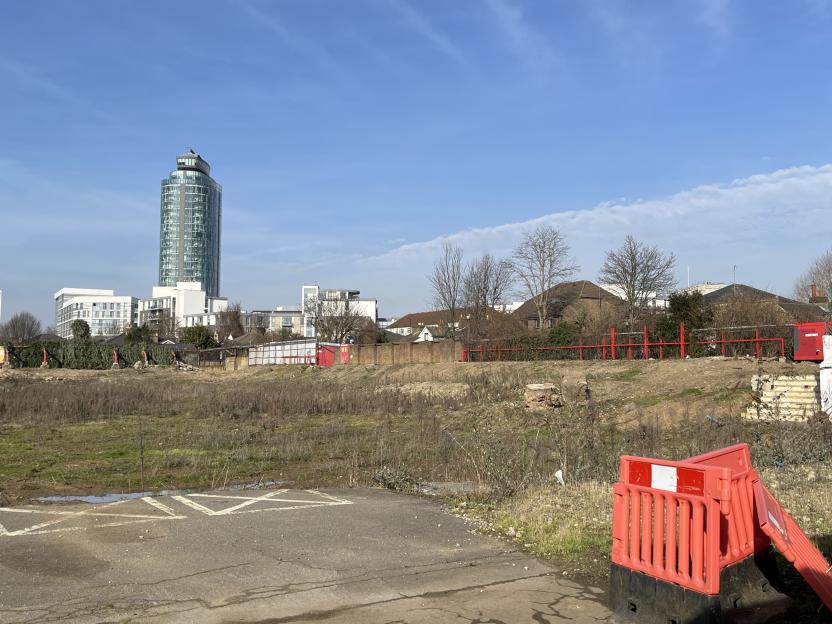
(199, 336)
(85, 354)
(80, 329)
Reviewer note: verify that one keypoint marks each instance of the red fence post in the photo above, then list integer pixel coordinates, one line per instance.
(45, 363)
(629, 347)
(757, 342)
(722, 342)
(646, 343)
(612, 342)
(681, 340)
(661, 348)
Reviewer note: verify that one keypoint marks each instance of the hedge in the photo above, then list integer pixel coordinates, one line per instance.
(86, 354)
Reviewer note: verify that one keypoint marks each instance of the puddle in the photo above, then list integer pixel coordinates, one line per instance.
(94, 500)
(116, 497)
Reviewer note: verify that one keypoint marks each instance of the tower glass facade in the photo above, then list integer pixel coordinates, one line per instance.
(191, 220)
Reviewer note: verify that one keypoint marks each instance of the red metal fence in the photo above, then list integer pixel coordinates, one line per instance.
(613, 347)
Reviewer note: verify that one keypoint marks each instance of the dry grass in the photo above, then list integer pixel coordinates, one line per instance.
(81, 432)
(570, 524)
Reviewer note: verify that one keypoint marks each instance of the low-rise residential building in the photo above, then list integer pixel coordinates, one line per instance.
(414, 322)
(183, 305)
(786, 310)
(106, 313)
(281, 320)
(287, 319)
(316, 300)
(576, 300)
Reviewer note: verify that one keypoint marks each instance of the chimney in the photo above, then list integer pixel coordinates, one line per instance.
(819, 297)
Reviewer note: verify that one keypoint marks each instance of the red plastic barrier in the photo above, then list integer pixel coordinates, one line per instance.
(793, 543)
(666, 520)
(740, 536)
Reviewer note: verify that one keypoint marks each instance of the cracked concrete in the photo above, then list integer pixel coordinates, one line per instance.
(384, 558)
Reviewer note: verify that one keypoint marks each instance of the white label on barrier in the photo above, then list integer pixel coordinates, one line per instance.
(773, 520)
(663, 478)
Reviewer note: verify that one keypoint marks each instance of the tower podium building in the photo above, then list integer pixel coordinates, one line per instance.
(191, 219)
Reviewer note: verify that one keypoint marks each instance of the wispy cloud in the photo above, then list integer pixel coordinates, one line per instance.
(528, 43)
(34, 79)
(420, 24)
(629, 33)
(710, 228)
(302, 45)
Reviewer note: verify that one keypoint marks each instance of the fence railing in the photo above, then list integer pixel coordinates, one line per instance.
(613, 347)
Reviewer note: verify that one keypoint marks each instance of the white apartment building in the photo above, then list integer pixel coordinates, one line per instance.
(186, 303)
(287, 318)
(106, 313)
(312, 295)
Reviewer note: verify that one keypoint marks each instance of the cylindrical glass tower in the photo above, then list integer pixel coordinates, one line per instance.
(191, 219)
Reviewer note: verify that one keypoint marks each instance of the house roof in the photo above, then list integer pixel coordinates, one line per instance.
(420, 319)
(394, 337)
(565, 294)
(798, 310)
(439, 317)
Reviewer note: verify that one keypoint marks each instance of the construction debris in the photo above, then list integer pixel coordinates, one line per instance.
(785, 397)
(543, 396)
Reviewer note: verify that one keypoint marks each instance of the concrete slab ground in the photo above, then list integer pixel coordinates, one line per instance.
(357, 556)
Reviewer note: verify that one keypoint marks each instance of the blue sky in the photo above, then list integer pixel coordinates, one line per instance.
(352, 138)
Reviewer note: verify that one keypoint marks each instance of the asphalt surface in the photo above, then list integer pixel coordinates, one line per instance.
(356, 556)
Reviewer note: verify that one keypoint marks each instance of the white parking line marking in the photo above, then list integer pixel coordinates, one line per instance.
(101, 512)
(340, 501)
(257, 498)
(159, 505)
(66, 516)
(86, 512)
(286, 508)
(225, 497)
(63, 516)
(249, 502)
(194, 505)
(98, 526)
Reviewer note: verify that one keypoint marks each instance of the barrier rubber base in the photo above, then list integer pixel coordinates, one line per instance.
(750, 587)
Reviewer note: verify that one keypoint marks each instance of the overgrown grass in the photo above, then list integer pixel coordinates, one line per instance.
(399, 425)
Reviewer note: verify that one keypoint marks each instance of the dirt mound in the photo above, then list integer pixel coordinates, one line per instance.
(430, 389)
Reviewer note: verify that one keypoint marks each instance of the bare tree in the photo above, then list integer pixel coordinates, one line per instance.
(640, 271)
(22, 326)
(540, 261)
(446, 281)
(485, 284)
(335, 319)
(230, 322)
(165, 326)
(819, 273)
